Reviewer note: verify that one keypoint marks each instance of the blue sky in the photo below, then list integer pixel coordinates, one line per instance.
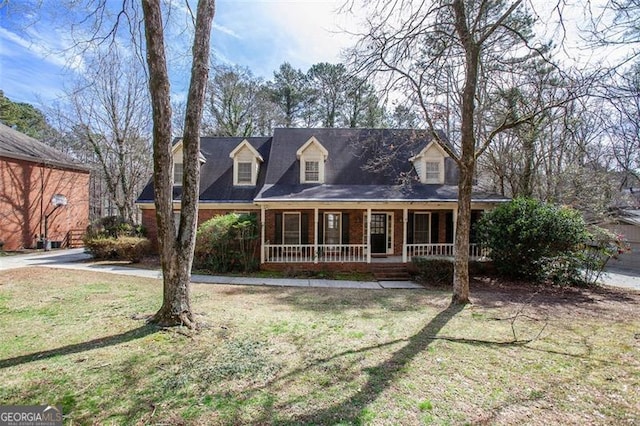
(259, 34)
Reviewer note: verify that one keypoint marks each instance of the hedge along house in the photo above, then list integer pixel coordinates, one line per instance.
(333, 198)
(31, 174)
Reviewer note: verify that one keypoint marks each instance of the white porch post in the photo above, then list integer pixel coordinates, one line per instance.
(262, 223)
(369, 235)
(315, 235)
(405, 219)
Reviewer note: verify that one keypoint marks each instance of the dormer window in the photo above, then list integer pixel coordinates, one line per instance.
(432, 170)
(178, 162)
(312, 156)
(245, 176)
(429, 164)
(246, 164)
(178, 171)
(312, 171)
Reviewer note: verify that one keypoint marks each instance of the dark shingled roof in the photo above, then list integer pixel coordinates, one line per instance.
(348, 172)
(216, 175)
(348, 176)
(17, 145)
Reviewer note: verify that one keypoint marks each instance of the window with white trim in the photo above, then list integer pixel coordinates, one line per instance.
(432, 171)
(178, 173)
(311, 171)
(332, 228)
(421, 229)
(291, 228)
(244, 171)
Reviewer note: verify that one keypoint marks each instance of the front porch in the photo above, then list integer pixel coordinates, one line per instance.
(361, 236)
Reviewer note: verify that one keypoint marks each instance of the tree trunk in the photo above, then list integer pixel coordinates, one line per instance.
(176, 249)
(467, 157)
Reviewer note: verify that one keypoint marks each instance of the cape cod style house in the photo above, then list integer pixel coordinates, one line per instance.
(332, 198)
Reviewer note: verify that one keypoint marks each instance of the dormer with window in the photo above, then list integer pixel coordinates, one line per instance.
(312, 156)
(246, 164)
(178, 163)
(429, 163)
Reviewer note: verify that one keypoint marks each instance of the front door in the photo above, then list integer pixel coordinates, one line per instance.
(378, 233)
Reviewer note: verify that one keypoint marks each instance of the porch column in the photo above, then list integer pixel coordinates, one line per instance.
(405, 219)
(262, 223)
(315, 235)
(369, 235)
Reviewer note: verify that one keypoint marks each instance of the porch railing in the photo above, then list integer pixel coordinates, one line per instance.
(476, 251)
(343, 253)
(305, 253)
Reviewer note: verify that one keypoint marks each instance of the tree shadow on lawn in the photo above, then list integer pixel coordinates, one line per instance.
(380, 376)
(101, 342)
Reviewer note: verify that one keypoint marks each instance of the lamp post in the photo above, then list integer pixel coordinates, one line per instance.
(58, 200)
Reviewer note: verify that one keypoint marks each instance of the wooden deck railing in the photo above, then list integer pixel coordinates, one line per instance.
(343, 253)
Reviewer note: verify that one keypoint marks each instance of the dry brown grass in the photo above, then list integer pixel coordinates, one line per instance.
(319, 356)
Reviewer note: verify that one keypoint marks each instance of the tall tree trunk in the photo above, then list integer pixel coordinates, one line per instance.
(467, 157)
(176, 249)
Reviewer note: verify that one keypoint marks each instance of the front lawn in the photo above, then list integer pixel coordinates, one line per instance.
(318, 356)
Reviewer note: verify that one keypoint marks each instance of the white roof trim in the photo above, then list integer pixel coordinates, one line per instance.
(312, 141)
(426, 148)
(178, 146)
(245, 144)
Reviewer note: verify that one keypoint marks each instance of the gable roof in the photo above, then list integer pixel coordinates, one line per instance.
(17, 145)
(348, 171)
(347, 177)
(245, 144)
(216, 174)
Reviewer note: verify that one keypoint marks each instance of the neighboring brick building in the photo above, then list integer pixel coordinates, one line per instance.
(31, 173)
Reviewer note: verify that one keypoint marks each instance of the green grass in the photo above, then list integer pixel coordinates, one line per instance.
(318, 356)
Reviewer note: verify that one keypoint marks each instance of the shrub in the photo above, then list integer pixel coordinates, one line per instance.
(436, 271)
(226, 243)
(132, 249)
(114, 227)
(536, 241)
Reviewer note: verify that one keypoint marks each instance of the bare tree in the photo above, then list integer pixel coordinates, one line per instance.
(454, 53)
(176, 246)
(108, 112)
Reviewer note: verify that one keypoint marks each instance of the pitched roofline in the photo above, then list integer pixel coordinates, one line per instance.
(45, 162)
(312, 141)
(245, 144)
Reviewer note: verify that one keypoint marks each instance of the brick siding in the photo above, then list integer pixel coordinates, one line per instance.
(26, 189)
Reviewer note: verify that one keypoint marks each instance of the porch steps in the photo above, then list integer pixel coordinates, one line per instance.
(390, 272)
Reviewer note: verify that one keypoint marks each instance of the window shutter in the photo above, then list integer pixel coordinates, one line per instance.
(320, 228)
(278, 229)
(304, 228)
(435, 227)
(345, 228)
(410, 228)
(449, 223)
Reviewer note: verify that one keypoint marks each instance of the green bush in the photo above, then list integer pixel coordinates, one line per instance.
(535, 241)
(227, 243)
(132, 249)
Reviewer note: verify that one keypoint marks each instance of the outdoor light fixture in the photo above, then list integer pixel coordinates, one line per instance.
(58, 200)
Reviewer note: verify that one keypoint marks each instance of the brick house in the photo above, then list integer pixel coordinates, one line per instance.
(31, 173)
(321, 200)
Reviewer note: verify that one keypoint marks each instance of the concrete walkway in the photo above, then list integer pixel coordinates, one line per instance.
(79, 260)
